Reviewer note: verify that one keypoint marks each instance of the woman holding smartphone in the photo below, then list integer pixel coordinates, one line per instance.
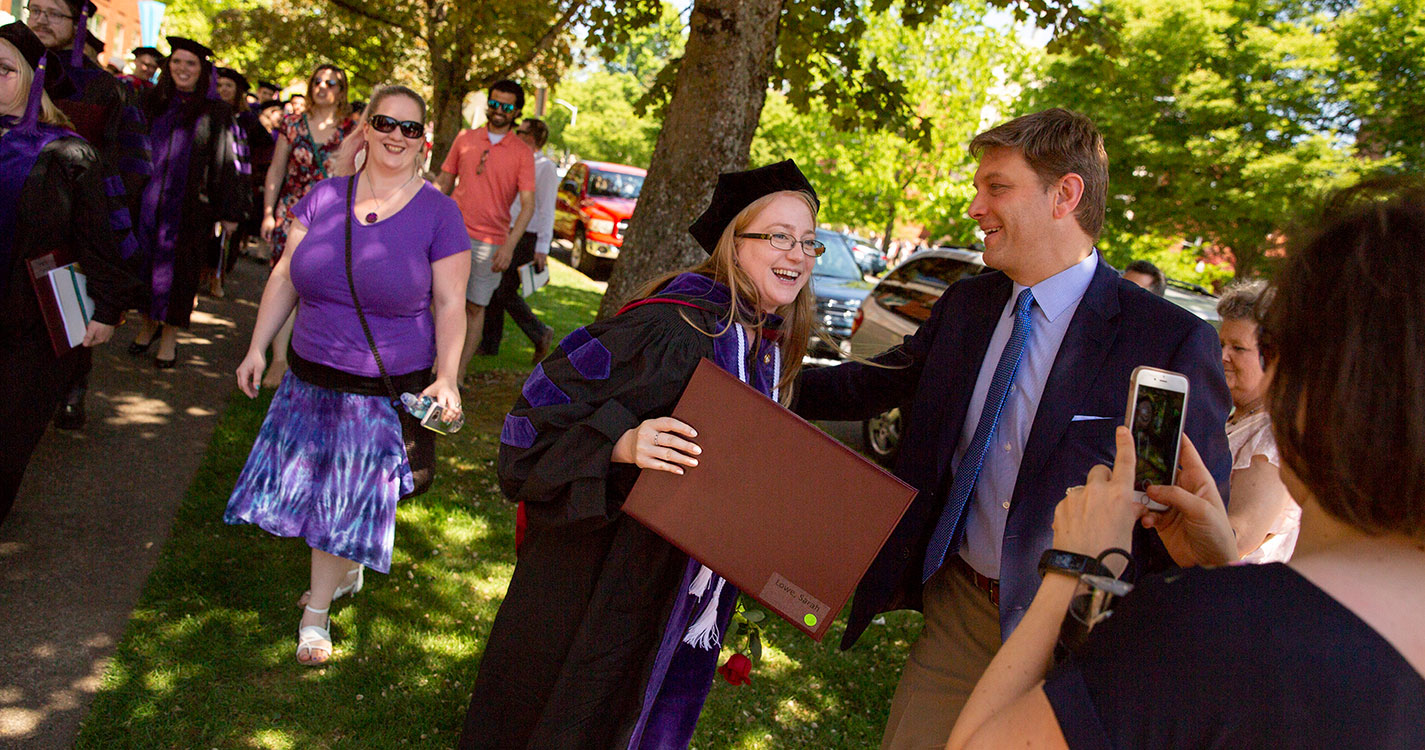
(375, 267)
(1326, 651)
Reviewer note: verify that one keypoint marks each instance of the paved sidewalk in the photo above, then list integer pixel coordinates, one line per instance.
(95, 509)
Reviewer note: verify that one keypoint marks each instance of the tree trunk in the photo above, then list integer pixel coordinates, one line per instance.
(717, 102)
(445, 108)
(890, 227)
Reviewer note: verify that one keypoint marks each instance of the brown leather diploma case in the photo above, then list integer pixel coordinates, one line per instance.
(789, 515)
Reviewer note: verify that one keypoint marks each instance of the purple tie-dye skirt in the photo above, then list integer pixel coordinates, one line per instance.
(328, 467)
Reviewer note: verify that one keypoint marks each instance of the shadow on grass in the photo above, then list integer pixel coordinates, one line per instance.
(208, 658)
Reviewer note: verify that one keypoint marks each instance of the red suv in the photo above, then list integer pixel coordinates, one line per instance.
(595, 201)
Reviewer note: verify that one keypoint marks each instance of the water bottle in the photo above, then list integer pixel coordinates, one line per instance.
(425, 409)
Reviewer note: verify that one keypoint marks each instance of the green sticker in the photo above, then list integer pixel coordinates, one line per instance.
(810, 620)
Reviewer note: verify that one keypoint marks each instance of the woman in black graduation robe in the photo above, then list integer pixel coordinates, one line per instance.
(608, 635)
(51, 199)
(195, 185)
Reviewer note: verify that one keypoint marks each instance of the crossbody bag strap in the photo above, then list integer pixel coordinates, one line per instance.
(351, 283)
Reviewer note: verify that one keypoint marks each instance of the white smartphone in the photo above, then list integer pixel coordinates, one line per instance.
(1157, 407)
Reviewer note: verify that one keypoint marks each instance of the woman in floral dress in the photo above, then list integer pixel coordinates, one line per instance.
(305, 145)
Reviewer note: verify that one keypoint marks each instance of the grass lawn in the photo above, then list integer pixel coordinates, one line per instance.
(207, 660)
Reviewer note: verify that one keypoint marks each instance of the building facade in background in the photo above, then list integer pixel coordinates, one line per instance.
(120, 24)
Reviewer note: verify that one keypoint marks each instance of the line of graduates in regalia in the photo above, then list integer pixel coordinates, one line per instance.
(132, 182)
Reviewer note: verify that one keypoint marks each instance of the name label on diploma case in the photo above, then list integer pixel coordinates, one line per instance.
(795, 603)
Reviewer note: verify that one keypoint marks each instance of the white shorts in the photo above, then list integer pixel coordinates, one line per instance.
(483, 281)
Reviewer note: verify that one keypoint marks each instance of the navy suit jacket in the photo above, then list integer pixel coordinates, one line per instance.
(1117, 327)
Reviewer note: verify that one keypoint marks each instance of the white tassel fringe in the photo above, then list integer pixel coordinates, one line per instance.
(703, 633)
(700, 583)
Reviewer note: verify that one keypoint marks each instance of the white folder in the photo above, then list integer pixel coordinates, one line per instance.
(71, 291)
(531, 280)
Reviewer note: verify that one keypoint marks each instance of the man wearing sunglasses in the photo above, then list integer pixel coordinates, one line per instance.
(533, 247)
(486, 170)
(102, 113)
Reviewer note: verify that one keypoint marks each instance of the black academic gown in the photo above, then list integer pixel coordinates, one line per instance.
(570, 652)
(61, 206)
(196, 183)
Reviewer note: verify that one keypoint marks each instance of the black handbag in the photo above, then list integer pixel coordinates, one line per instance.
(419, 442)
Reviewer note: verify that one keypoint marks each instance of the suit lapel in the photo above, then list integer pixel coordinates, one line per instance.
(1086, 344)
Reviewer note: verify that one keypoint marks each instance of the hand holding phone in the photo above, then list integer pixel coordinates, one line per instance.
(1157, 409)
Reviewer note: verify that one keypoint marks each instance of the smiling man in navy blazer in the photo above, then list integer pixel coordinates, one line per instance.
(1014, 385)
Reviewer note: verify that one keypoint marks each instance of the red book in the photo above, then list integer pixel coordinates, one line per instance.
(784, 511)
(53, 306)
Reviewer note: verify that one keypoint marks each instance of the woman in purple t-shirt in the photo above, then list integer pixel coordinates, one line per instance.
(330, 462)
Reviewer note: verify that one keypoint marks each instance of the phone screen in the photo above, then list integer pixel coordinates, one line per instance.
(1157, 424)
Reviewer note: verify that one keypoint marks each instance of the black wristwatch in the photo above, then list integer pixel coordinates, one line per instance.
(1071, 564)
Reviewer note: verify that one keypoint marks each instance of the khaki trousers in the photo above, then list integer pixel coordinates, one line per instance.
(958, 639)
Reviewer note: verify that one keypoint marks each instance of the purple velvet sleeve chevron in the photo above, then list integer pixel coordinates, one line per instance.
(240, 151)
(518, 431)
(591, 359)
(539, 390)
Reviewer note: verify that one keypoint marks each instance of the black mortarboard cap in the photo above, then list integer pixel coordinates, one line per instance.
(147, 51)
(56, 83)
(268, 85)
(29, 45)
(736, 190)
(235, 77)
(81, 6)
(184, 43)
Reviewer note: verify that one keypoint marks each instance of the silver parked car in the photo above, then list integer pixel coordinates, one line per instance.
(897, 306)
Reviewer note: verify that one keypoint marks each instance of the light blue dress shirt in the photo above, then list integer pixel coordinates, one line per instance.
(1055, 300)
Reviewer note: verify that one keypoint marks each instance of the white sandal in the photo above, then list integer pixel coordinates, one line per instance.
(312, 638)
(352, 587)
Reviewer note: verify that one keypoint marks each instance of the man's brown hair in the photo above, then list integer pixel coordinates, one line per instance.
(1056, 142)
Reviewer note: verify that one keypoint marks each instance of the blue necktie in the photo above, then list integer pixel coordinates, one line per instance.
(974, 458)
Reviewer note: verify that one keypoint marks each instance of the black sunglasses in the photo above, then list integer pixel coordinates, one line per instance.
(409, 128)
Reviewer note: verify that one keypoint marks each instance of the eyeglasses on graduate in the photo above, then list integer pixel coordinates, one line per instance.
(782, 241)
(44, 13)
(508, 109)
(409, 128)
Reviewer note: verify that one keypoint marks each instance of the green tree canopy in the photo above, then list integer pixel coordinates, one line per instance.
(1216, 117)
(956, 71)
(1380, 58)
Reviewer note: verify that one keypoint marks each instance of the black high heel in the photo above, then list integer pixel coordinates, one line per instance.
(136, 349)
(166, 364)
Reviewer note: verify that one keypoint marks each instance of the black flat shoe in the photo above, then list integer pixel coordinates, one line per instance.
(166, 364)
(70, 416)
(136, 349)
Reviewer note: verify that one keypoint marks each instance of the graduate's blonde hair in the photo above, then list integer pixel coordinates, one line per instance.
(798, 317)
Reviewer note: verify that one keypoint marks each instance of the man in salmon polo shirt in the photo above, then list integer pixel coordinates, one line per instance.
(486, 169)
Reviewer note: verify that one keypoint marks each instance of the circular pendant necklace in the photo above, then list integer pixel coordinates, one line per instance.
(371, 216)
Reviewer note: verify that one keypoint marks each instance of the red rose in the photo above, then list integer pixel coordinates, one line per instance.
(737, 670)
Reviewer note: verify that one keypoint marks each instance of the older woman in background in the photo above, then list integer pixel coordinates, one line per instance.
(1263, 515)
